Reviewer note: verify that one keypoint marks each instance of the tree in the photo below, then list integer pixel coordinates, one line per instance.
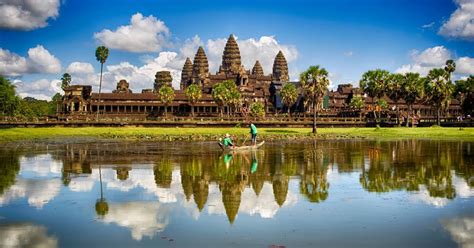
(357, 102)
(9, 101)
(257, 109)
(65, 80)
(193, 93)
(101, 54)
(438, 88)
(374, 83)
(166, 95)
(315, 83)
(53, 105)
(219, 96)
(411, 91)
(227, 94)
(394, 91)
(464, 90)
(289, 95)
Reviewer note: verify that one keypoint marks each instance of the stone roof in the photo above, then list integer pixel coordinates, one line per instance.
(280, 68)
(200, 64)
(257, 69)
(187, 72)
(162, 78)
(231, 60)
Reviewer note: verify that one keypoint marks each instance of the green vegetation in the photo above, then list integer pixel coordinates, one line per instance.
(257, 109)
(166, 95)
(66, 80)
(226, 94)
(315, 83)
(170, 134)
(101, 55)
(464, 91)
(289, 94)
(193, 93)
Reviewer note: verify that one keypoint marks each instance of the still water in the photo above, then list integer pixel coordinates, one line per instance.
(293, 194)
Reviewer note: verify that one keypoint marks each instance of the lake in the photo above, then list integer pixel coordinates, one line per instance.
(405, 193)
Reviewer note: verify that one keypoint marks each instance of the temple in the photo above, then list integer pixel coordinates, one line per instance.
(79, 102)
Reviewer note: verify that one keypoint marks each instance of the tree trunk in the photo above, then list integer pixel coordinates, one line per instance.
(408, 116)
(100, 88)
(166, 111)
(192, 110)
(314, 115)
(398, 113)
(438, 120)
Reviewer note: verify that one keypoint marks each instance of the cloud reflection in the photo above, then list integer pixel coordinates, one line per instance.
(26, 235)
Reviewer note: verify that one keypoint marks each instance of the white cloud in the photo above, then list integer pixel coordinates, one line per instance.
(461, 230)
(80, 68)
(38, 191)
(27, 14)
(429, 25)
(39, 60)
(461, 22)
(435, 57)
(144, 34)
(349, 54)
(42, 89)
(26, 235)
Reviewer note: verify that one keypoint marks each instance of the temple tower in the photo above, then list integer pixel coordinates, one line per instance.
(200, 67)
(280, 68)
(186, 74)
(257, 69)
(231, 60)
(162, 78)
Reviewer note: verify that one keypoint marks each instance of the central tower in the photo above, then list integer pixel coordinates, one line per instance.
(231, 60)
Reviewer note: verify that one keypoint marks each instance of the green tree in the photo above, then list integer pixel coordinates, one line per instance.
(464, 90)
(395, 91)
(315, 83)
(226, 94)
(65, 80)
(193, 93)
(219, 96)
(9, 101)
(166, 95)
(357, 103)
(257, 109)
(101, 55)
(439, 89)
(289, 95)
(412, 91)
(374, 84)
(53, 104)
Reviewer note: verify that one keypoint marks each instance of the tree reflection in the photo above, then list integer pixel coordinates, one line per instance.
(314, 185)
(9, 168)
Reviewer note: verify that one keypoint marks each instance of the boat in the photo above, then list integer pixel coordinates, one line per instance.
(241, 148)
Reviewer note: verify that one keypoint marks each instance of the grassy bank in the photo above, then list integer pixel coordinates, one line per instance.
(140, 133)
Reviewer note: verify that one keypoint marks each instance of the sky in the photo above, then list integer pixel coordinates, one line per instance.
(41, 40)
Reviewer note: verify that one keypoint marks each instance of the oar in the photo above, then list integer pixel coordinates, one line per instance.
(245, 140)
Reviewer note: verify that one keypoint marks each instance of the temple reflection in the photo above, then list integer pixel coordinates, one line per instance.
(434, 166)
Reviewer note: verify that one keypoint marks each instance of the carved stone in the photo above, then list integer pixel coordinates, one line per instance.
(162, 78)
(231, 60)
(122, 87)
(200, 67)
(186, 74)
(280, 68)
(257, 69)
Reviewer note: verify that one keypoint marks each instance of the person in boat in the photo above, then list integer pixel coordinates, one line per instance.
(227, 142)
(253, 133)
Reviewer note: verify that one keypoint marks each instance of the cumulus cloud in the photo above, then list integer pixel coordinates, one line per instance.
(80, 68)
(461, 22)
(461, 230)
(42, 89)
(27, 14)
(435, 57)
(38, 191)
(26, 235)
(144, 34)
(39, 60)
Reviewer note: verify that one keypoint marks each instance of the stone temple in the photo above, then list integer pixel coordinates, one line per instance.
(254, 85)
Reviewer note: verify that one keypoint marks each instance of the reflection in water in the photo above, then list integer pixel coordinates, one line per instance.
(197, 178)
(461, 230)
(25, 235)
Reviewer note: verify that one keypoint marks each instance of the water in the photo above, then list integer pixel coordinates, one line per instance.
(294, 194)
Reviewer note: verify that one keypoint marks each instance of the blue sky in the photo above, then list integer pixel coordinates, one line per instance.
(345, 38)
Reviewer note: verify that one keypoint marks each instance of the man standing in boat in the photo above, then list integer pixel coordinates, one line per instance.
(253, 133)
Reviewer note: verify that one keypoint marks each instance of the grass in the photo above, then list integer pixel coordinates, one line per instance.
(178, 133)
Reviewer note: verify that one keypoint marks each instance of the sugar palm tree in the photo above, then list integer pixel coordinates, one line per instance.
(65, 80)
(315, 83)
(101, 54)
(289, 95)
(411, 91)
(438, 90)
(193, 93)
(374, 84)
(166, 94)
(394, 91)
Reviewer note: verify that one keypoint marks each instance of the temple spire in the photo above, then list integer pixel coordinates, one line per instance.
(257, 69)
(186, 74)
(280, 68)
(200, 66)
(231, 60)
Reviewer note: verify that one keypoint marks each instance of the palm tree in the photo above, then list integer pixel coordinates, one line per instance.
(315, 82)
(394, 90)
(218, 94)
(374, 83)
(101, 54)
(289, 95)
(193, 93)
(438, 90)
(357, 103)
(411, 91)
(65, 80)
(9, 101)
(101, 205)
(166, 94)
(465, 93)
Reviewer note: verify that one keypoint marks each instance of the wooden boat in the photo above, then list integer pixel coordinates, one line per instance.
(241, 148)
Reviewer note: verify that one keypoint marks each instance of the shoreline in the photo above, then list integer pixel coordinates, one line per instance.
(212, 134)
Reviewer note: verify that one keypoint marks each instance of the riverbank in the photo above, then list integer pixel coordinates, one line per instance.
(202, 134)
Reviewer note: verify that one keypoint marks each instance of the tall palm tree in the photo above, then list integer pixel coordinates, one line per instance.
(394, 91)
(101, 54)
(193, 93)
(315, 82)
(411, 91)
(438, 90)
(289, 95)
(65, 80)
(374, 83)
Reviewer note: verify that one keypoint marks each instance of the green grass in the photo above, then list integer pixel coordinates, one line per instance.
(142, 133)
